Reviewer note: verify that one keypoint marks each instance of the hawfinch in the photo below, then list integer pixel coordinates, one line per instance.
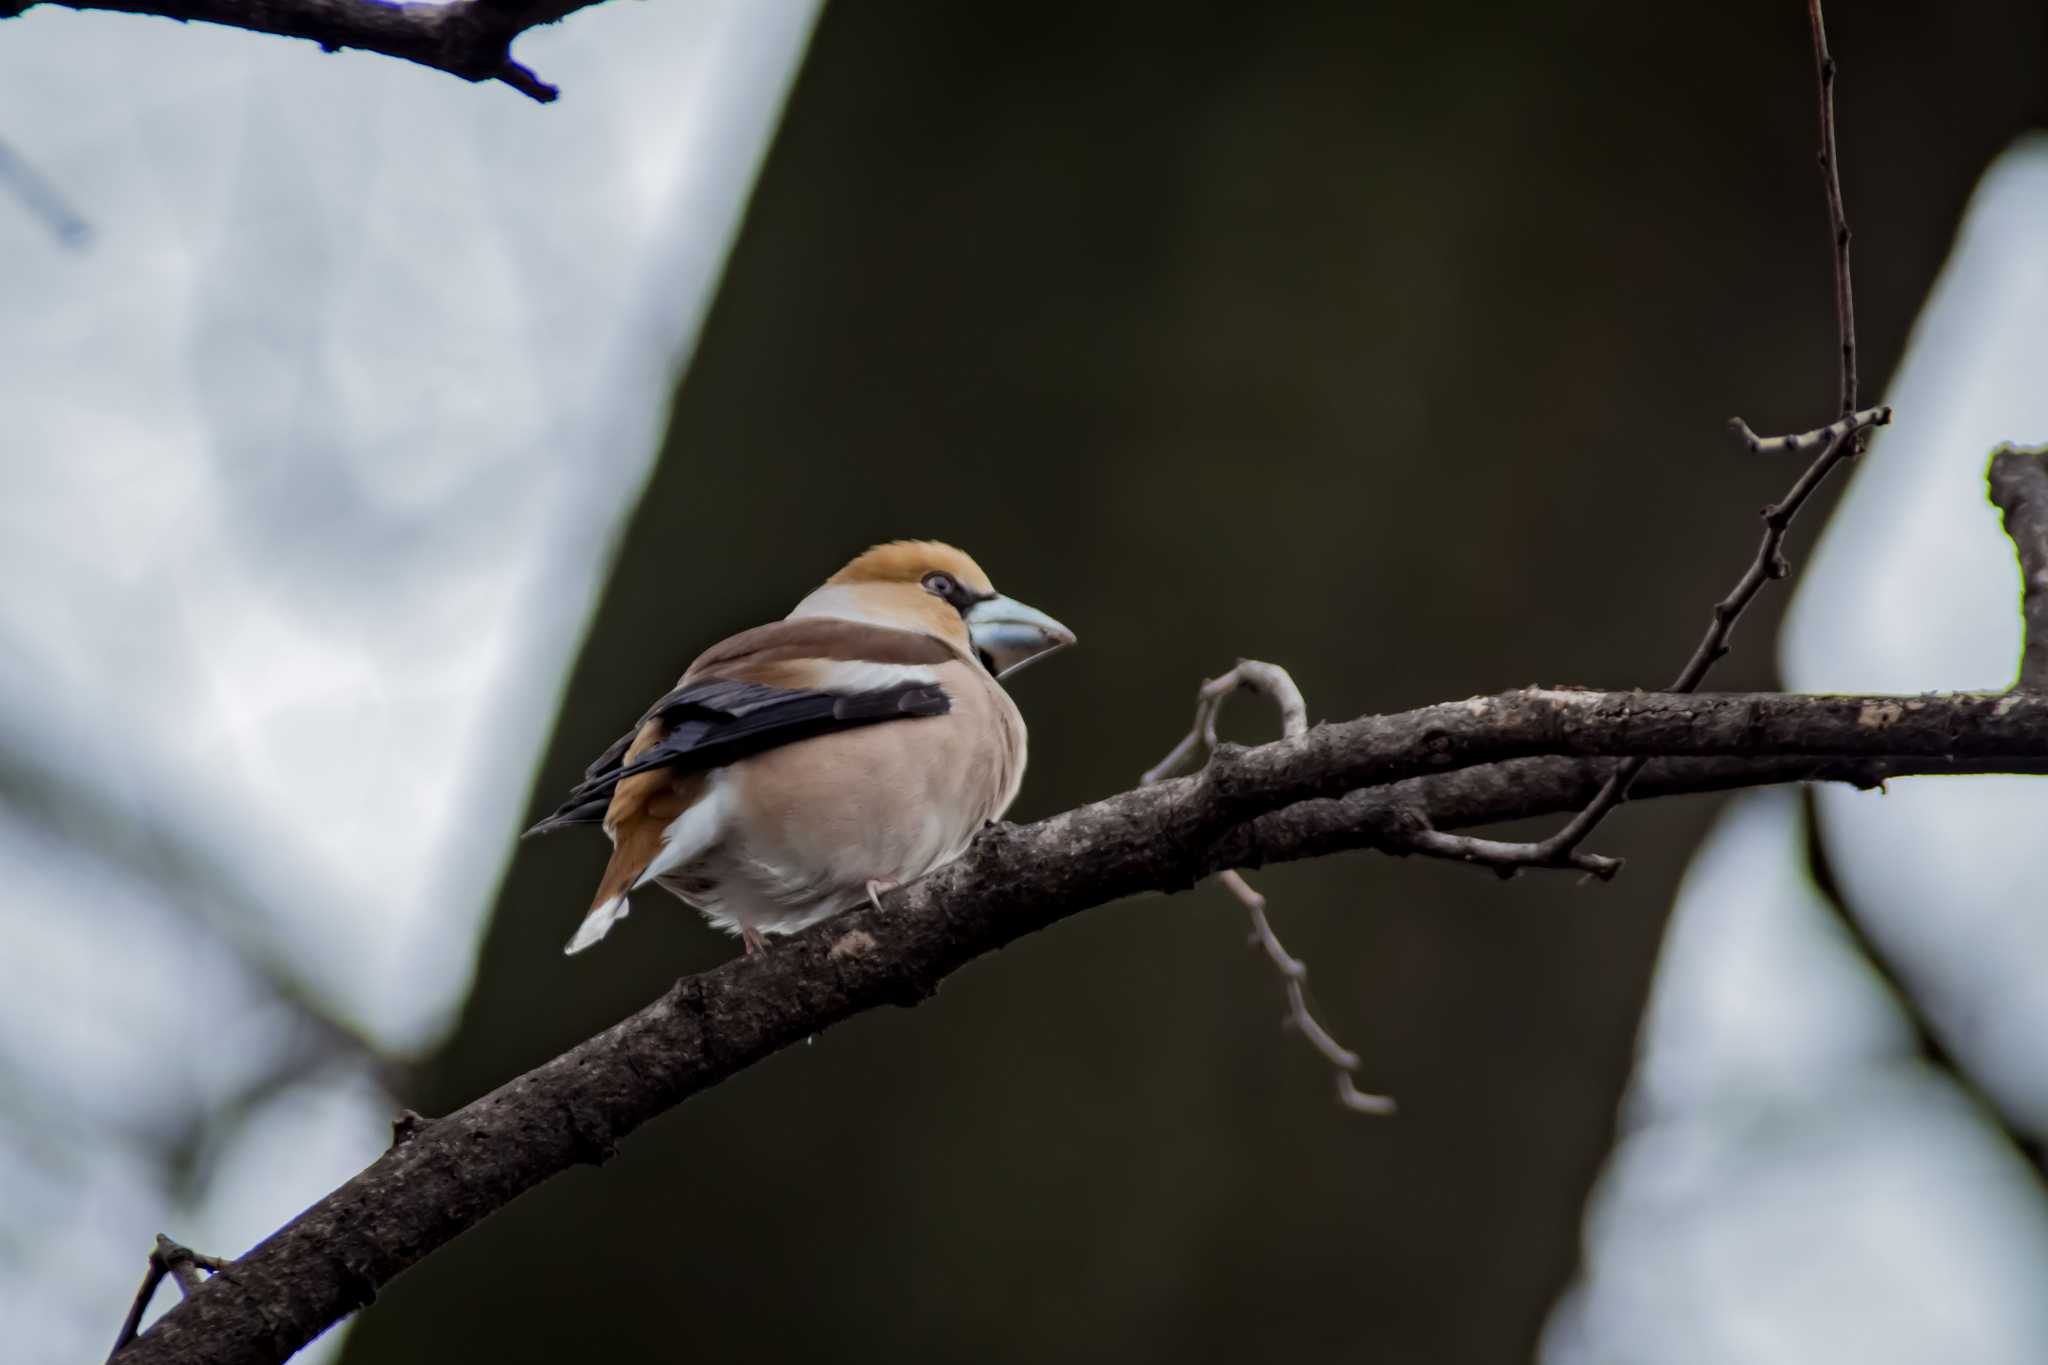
(803, 767)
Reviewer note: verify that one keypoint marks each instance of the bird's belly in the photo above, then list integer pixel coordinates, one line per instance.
(806, 850)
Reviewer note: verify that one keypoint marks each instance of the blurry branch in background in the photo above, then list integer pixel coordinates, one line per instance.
(41, 198)
(1926, 1039)
(1349, 785)
(40, 796)
(64, 806)
(467, 38)
(2018, 482)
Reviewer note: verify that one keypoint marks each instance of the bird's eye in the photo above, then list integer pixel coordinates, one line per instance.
(940, 584)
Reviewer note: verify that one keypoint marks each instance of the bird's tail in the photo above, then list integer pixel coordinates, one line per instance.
(598, 922)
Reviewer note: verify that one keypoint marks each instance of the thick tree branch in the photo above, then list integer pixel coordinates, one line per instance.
(467, 38)
(2019, 485)
(1244, 809)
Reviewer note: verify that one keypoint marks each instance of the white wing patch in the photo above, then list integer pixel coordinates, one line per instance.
(862, 675)
(693, 833)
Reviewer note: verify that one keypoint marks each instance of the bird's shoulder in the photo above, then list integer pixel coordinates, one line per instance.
(810, 644)
(759, 690)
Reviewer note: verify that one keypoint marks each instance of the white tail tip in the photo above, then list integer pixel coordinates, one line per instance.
(598, 923)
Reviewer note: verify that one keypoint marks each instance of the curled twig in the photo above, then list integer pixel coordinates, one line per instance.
(1405, 832)
(1278, 686)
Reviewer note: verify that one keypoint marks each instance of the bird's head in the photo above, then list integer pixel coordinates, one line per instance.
(928, 586)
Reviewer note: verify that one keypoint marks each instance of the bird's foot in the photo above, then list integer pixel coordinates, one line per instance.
(751, 940)
(876, 886)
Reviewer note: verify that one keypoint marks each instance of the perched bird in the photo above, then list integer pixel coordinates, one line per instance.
(802, 767)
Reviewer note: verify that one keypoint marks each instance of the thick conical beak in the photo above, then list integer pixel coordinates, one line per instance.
(1012, 634)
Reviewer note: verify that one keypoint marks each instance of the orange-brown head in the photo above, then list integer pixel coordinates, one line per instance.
(935, 589)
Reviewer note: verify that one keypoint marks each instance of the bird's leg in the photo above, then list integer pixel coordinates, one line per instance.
(876, 886)
(751, 940)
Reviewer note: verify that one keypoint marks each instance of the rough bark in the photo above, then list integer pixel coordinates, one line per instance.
(1460, 763)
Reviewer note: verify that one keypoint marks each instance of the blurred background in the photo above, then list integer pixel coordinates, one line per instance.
(376, 446)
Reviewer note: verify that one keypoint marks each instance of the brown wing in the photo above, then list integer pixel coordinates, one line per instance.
(745, 695)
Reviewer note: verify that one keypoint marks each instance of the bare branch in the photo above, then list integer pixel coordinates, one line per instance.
(151, 1278)
(1837, 441)
(1246, 808)
(1402, 832)
(1294, 973)
(467, 38)
(2019, 485)
(1506, 858)
(183, 1264)
(1769, 563)
(1278, 685)
(43, 199)
(1269, 680)
(1838, 219)
(1527, 787)
(1816, 439)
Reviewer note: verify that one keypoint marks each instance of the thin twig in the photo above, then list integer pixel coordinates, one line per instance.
(1505, 858)
(1838, 220)
(1838, 441)
(151, 1278)
(1294, 972)
(1403, 831)
(182, 1264)
(1807, 441)
(1278, 686)
(1269, 680)
(42, 199)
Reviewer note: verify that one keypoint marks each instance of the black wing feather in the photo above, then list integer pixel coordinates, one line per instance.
(716, 721)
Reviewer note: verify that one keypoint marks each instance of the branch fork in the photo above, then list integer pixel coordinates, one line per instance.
(182, 1264)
